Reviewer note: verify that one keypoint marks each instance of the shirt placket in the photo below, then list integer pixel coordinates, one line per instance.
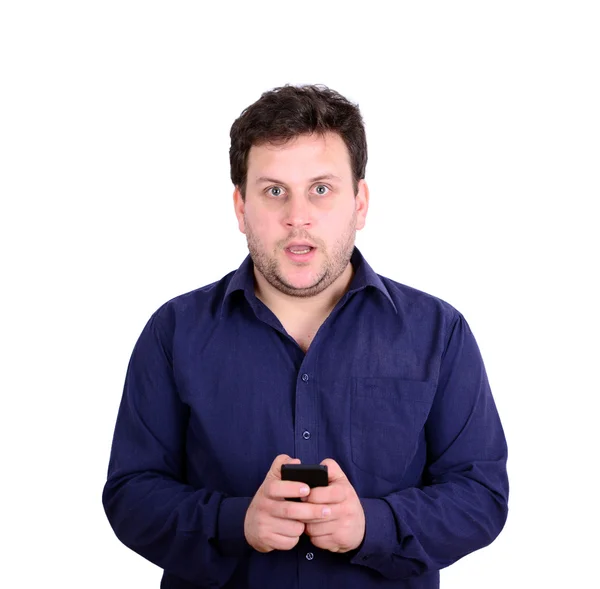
(305, 423)
(306, 446)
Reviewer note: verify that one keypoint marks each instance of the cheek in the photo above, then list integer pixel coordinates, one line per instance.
(336, 225)
(261, 226)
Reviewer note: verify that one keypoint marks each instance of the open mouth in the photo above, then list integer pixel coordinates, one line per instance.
(300, 253)
(300, 250)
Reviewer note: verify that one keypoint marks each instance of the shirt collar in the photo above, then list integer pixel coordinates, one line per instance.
(242, 279)
(364, 276)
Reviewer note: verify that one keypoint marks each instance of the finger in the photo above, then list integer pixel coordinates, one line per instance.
(335, 493)
(320, 529)
(277, 489)
(334, 470)
(325, 542)
(325, 517)
(280, 542)
(289, 528)
(301, 512)
(275, 470)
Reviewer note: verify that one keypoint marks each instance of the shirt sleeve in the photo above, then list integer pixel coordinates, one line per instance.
(463, 504)
(193, 533)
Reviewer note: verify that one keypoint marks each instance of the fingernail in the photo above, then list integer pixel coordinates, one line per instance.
(326, 511)
(304, 490)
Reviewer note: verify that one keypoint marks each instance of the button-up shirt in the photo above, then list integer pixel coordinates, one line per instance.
(392, 387)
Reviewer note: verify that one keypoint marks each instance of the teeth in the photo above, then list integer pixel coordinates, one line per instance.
(297, 250)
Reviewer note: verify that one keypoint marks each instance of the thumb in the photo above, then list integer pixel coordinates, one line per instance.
(334, 470)
(275, 470)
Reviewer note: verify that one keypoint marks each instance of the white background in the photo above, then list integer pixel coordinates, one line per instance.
(484, 135)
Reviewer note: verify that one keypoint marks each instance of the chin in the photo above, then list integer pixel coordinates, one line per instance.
(307, 281)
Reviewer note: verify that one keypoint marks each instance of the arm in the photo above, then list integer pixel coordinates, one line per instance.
(463, 505)
(193, 533)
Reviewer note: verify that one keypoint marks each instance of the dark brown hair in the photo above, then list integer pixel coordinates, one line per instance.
(286, 112)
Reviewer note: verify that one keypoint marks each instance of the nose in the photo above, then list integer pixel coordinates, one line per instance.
(297, 212)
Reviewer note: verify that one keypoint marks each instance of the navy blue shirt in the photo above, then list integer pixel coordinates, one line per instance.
(392, 387)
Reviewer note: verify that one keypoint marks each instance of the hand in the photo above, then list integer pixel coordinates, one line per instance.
(344, 527)
(271, 522)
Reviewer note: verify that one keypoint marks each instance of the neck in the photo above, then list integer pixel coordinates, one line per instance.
(317, 306)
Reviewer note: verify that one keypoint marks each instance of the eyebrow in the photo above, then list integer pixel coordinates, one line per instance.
(263, 179)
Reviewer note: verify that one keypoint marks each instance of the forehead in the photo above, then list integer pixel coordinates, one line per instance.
(302, 156)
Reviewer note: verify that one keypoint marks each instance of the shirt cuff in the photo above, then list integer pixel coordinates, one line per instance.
(380, 534)
(230, 526)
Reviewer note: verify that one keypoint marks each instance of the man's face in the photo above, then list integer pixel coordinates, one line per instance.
(300, 215)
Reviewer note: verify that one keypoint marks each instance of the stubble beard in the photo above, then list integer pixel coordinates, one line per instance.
(333, 265)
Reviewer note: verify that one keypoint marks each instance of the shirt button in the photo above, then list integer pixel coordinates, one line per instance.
(306, 435)
(305, 377)
(309, 556)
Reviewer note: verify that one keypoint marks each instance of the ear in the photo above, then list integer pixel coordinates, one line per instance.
(362, 204)
(239, 206)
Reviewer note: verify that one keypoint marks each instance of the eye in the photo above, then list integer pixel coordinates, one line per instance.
(275, 191)
(321, 189)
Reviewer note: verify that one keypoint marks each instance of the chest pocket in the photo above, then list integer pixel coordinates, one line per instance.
(387, 423)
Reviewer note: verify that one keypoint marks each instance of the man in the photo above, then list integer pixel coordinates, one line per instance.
(305, 352)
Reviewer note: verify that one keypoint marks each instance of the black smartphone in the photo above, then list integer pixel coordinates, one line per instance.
(314, 475)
